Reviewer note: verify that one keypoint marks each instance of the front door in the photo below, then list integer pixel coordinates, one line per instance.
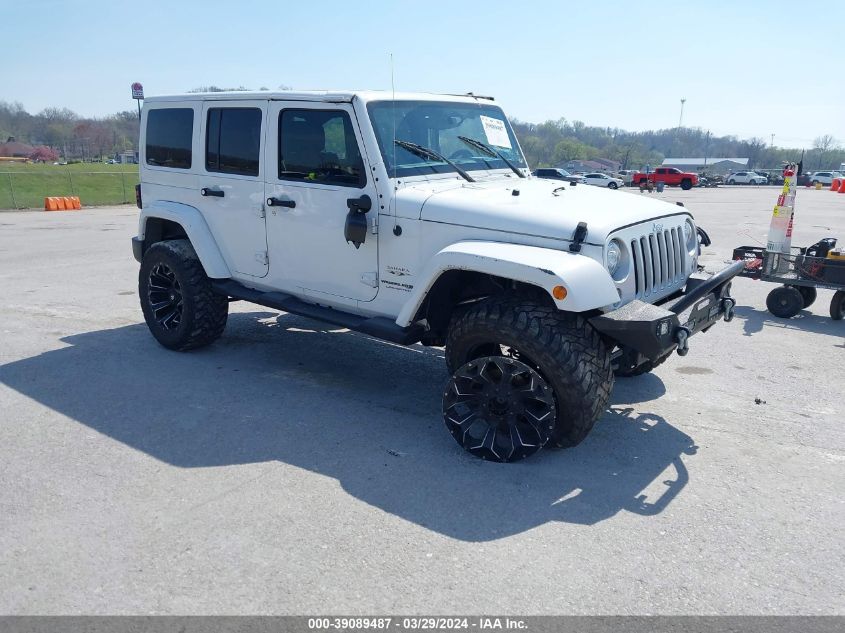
(231, 186)
(316, 164)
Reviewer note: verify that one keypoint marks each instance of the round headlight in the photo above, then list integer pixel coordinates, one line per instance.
(614, 257)
(689, 236)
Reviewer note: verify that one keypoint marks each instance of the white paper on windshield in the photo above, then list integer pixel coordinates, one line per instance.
(495, 131)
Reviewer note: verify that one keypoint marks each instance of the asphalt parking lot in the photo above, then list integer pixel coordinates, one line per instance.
(293, 468)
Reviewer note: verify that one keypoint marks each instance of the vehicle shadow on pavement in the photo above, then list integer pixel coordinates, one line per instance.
(754, 320)
(281, 387)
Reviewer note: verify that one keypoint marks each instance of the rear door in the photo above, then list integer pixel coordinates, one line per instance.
(231, 184)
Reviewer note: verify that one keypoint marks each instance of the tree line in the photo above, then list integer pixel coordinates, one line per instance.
(553, 143)
(68, 134)
(546, 144)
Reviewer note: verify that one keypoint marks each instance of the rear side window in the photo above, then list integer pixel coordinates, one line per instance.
(233, 140)
(169, 135)
(319, 146)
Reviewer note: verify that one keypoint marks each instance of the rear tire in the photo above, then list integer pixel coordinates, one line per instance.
(808, 294)
(180, 308)
(837, 305)
(785, 302)
(563, 348)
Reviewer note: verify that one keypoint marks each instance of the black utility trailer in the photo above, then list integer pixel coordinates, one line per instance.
(801, 272)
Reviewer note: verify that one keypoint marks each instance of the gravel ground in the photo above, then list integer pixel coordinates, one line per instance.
(294, 468)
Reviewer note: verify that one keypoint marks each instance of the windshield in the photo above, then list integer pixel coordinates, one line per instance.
(438, 126)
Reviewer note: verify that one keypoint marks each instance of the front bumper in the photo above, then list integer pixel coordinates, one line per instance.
(653, 331)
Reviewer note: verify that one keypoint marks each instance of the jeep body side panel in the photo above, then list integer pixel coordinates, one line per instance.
(587, 283)
(196, 228)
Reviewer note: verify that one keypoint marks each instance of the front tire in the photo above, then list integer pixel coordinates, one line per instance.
(732, 181)
(785, 302)
(499, 409)
(686, 185)
(613, 185)
(564, 349)
(180, 308)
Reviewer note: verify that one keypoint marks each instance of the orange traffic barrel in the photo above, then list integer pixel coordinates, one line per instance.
(842, 185)
(75, 203)
(834, 186)
(50, 204)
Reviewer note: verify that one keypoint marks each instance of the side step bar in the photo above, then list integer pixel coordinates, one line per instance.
(378, 327)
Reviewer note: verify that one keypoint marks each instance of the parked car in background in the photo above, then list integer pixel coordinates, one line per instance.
(670, 176)
(627, 175)
(824, 177)
(553, 173)
(603, 180)
(746, 178)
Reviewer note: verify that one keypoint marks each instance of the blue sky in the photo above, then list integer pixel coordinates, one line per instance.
(745, 68)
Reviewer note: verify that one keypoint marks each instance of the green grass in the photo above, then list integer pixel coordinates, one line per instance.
(25, 186)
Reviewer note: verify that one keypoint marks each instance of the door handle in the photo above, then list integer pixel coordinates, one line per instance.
(278, 202)
(214, 193)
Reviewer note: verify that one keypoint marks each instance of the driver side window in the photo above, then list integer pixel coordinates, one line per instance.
(319, 146)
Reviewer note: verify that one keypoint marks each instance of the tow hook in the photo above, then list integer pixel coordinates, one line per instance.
(728, 305)
(681, 337)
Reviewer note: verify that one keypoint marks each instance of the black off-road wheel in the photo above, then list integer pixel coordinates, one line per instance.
(180, 308)
(785, 302)
(499, 408)
(837, 305)
(563, 349)
(808, 295)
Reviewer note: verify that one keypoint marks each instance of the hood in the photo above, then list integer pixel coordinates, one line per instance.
(537, 210)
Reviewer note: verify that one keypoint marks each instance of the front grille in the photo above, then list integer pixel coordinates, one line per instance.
(659, 261)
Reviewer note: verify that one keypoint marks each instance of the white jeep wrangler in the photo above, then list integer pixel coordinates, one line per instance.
(414, 218)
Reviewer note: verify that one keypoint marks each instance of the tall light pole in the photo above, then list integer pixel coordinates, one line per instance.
(772, 144)
(681, 119)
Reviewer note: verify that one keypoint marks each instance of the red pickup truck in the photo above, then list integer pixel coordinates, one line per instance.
(668, 176)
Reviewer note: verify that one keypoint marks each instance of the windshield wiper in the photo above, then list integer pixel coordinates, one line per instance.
(491, 152)
(424, 152)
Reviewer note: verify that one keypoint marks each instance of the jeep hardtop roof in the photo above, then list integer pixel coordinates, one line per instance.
(328, 96)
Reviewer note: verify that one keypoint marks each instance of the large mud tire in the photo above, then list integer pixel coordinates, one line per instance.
(180, 308)
(564, 349)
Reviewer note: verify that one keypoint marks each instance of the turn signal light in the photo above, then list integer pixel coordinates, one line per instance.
(559, 293)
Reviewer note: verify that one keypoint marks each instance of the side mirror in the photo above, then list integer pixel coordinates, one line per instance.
(355, 229)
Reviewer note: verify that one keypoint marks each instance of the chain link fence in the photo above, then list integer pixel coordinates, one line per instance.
(22, 190)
